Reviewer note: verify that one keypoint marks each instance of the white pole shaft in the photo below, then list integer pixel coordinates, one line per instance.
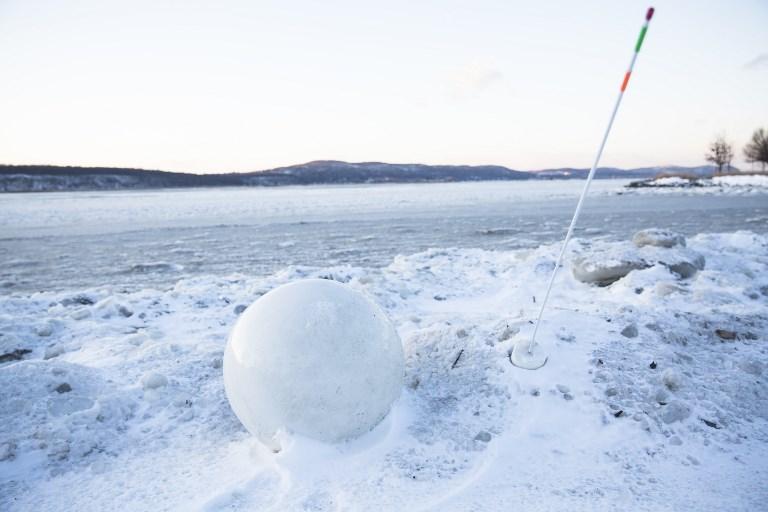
(575, 218)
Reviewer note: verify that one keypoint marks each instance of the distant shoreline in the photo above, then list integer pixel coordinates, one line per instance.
(46, 178)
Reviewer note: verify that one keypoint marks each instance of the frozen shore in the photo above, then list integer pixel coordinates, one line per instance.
(737, 185)
(654, 398)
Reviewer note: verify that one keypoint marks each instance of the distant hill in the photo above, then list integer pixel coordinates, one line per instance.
(333, 171)
(46, 178)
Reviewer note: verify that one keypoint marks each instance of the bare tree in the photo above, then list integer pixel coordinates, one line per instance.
(756, 149)
(720, 154)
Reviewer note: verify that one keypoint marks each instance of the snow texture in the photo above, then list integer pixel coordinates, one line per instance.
(313, 357)
(105, 410)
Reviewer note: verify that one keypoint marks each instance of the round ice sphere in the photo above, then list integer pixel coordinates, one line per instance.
(313, 357)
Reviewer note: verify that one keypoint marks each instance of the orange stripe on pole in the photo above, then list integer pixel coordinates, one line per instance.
(626, 81)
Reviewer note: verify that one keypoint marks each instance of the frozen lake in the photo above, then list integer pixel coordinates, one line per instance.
(53, 241)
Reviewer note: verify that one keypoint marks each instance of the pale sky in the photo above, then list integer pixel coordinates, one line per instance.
(247, 85)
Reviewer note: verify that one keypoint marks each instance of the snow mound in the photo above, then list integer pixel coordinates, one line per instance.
(655, 396)
(658, 238)
(313, 357)
(750, 180)
(605, 264)
(730, 185)
(671, 181)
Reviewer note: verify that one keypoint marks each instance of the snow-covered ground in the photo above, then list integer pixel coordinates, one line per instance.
(654, 397)
(735, 185)
(750, 180)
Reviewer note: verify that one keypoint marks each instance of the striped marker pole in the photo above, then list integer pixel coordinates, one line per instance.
(523, 355)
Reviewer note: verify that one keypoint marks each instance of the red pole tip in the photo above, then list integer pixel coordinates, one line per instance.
(649, 14)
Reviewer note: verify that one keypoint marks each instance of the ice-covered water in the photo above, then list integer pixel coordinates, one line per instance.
(54, 241)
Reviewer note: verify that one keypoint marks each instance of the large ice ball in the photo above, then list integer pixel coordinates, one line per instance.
(313, 357)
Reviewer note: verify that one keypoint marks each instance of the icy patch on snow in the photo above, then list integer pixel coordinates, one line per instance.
(654, 396)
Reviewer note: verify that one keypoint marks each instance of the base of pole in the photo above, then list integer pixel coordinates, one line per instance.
(520, 357)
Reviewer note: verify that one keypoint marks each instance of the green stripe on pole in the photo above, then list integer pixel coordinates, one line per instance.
(640, 38)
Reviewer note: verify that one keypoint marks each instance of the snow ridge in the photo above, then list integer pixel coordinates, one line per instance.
(654, 397)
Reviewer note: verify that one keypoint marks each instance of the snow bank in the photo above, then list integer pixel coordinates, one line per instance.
(750, 180)
(605, 264)
(671, 181)
(658, 238)
(738, 185)
(654, 397)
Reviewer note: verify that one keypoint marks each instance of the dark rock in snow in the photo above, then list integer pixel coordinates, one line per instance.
(81, 300)
(725, 334)
(44, 330)
(604, 273)
(14, 355)
(124, 311)
(686, 269)
(629, 331)
(483, 437)
(63, 388)
(603, 265)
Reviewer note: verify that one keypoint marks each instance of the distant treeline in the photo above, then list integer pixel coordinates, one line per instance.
(45, 178)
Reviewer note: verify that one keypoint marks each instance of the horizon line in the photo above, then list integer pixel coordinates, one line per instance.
(368, 162)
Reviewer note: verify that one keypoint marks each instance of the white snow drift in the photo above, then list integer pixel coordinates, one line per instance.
(655, 396)
(313, 357)
(732, 185)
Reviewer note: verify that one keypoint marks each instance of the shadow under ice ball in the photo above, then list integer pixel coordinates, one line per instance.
(313, 357)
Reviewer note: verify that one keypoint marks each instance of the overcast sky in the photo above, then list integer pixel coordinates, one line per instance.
(246, 85)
